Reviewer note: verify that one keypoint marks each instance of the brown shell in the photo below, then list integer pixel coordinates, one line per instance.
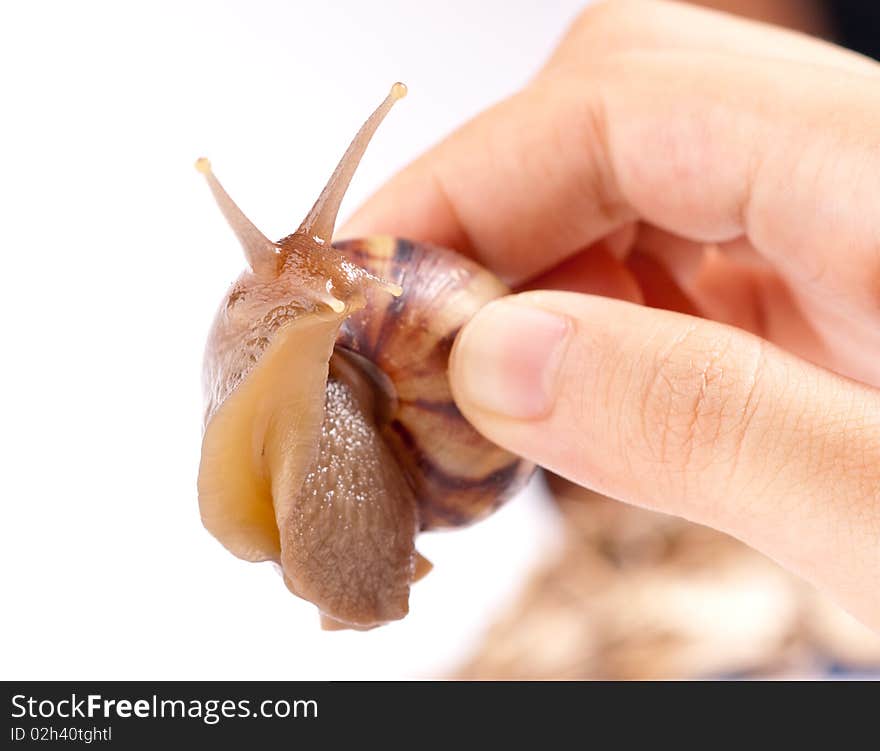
(457, 475)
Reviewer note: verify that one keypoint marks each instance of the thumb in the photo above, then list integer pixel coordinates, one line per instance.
(689, 417)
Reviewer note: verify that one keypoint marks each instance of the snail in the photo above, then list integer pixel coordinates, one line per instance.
(330, 435)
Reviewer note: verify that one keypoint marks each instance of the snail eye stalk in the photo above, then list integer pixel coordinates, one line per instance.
(320, 221)
(260, 251)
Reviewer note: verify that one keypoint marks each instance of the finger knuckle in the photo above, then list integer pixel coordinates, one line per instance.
(697, 399)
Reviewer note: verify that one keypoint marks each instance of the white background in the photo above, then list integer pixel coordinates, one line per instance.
(114, 258)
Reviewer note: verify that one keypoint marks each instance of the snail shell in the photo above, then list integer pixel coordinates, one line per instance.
(331, 436)
(458, 476)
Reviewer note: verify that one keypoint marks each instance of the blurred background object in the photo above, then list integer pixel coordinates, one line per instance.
(850, 23)
(633, 594)
(809, 16)
(855, 24)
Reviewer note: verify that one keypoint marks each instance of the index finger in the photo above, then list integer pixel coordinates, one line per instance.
(710, 145)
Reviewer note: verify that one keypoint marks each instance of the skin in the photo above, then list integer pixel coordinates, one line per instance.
(690, 201)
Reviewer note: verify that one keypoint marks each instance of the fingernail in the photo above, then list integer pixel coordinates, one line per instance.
(507, 359)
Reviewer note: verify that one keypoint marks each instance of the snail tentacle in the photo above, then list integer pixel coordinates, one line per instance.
(321, 220)
(260, 251)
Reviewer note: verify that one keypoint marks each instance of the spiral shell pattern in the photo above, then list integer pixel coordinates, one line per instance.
(457, 475)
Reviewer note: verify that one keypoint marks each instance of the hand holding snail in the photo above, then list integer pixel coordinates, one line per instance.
(729, 173)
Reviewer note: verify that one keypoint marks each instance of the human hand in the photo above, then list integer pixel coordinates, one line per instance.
(729, 173)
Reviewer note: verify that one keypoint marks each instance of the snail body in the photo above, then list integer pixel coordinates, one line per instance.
(331, 437)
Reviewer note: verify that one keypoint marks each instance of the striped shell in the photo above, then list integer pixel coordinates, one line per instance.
(457, 475)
